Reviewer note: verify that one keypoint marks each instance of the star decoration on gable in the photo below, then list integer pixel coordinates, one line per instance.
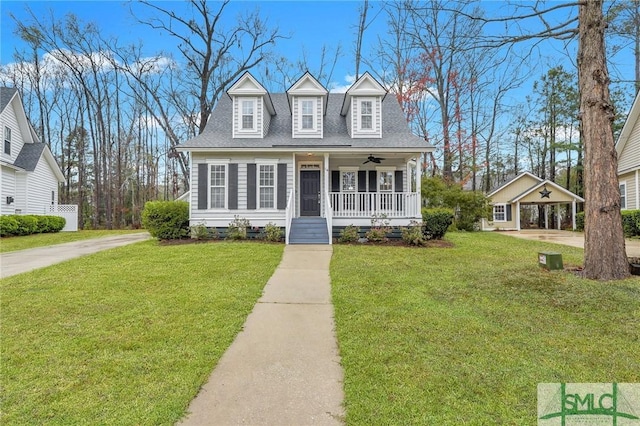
(545, 192)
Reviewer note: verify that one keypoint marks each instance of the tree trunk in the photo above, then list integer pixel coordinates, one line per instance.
(604, 250)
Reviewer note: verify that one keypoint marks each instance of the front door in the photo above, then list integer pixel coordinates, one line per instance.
(310, 193)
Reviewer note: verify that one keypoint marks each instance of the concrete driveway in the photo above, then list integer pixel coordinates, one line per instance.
(568, 238)
(17, 262)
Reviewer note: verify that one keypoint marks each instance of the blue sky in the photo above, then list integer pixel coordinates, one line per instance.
(311, 24)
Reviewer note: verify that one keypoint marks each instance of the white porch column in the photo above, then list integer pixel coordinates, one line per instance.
(419, 176)
(294, 194)
(637, 189)
(546, 216)
(518, 215)
(573, 213)
(559, 222)
(326, 181)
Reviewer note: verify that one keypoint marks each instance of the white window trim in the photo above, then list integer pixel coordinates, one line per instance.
(348, 169)
(267, 162)
(7, 132)
(224, 163)
(373, 115)
(620, 185)
(241, 101)
(504, 212)
(382, 169)
(314, 103)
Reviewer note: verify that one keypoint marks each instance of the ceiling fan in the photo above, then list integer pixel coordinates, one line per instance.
(373, 159)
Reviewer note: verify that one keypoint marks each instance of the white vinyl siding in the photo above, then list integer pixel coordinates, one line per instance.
(8, 119)
(40, 184)
(629, 158)
(8, 190)
(217, 186)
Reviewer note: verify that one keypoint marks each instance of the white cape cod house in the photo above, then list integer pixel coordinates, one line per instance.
(29, 174)
(309, 161)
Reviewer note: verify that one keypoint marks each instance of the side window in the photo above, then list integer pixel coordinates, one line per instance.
(385, 181)
(348, 179)
(7, 140)
(499, 213)
(267, 186)
(217, 186)
(623, 195)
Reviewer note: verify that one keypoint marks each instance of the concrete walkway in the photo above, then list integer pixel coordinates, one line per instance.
(17, 262)
(568, 238)
(284, 367)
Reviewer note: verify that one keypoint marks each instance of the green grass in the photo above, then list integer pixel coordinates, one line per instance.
(125, 336)
(464, 335)
(39, 240)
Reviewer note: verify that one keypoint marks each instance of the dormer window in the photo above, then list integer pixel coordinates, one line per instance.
(306, 110)
(366, 115)
(248, 114)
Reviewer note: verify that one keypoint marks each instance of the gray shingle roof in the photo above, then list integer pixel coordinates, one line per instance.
(29, 156)
(395, 131)
(6, 93)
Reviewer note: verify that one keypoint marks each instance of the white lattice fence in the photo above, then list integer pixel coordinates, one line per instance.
(67, 211)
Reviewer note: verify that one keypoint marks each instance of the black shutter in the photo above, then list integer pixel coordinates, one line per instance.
(373, 176)
(233, 187)
(399, 182)
(362, 181)
(203, 185)
(251, 186)
(282, 186)
(508, 209)
(335, 181)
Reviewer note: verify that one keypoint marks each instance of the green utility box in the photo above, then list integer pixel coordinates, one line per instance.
(549, 260)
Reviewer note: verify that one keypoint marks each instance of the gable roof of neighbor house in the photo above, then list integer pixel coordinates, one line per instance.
(6, 94)
(511, 181)
(632, 118)
(628, 144)
(396, 135)
(553, 185)
(29, 156)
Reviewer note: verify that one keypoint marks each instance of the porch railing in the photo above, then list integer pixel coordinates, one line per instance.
(367, 204)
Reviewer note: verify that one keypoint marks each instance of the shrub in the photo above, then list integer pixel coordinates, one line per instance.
(27, 224)
(379, 228)
(469, 206)
(201, 232)
(237, 229)
(350, 234)
(580, 221)
(412, 234)
(166, 220)
(435, 222)
(51, 223)
(272, 232)
(8, 226)
(631, 222)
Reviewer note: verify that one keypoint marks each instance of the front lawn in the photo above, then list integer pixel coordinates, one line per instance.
(463, 335)
(39, 240)
(125, 336)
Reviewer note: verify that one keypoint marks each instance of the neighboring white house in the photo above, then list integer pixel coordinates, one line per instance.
(29, 174)
(628, 150)
(525, 190)
(333, 159)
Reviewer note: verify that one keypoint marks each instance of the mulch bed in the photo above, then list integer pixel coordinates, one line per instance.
(392, 243)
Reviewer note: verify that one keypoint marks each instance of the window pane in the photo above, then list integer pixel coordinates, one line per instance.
(366, 122)
(247, 114)
(499, 213)
(307, 122)
(266, 183)
(307, 107)
(217, 184)
(366, 108)
(386, 181)
(348, 181)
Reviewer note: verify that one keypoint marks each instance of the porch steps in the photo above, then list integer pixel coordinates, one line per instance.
(309, 230)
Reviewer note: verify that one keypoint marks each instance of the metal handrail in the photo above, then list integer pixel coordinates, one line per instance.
(329, 216)
(289, 217)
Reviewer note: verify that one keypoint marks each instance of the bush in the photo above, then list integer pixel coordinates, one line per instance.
(379, 228)
(580, 221)
(201, 232)
(237, 229)
(412, 234)
(272, 232)
(8, 226)
(27, 224)
(435, 222)
(469, 206)
(166, 220)
(631, 223)
(350, 234)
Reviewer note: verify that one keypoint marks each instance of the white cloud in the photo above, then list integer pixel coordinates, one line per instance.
(337, 87)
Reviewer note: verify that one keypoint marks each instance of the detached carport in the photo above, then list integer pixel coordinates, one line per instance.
(527, 189)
